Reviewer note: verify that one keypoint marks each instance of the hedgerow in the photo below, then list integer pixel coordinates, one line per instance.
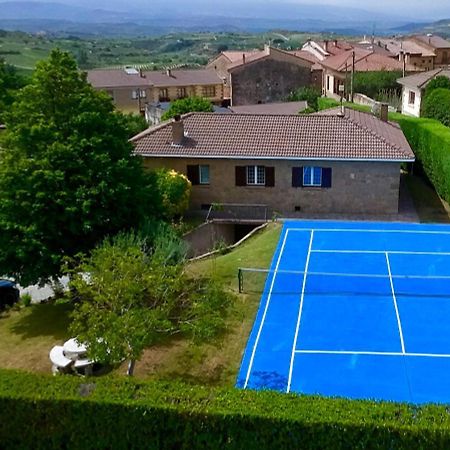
(44, 412)
(430, 141)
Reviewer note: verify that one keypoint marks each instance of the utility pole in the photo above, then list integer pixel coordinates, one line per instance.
(352, 77)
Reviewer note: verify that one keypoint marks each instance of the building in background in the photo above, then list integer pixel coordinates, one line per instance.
(413, 87)
(132, 89)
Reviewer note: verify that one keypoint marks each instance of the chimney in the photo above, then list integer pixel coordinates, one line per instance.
(169, 72)
(326, 45)
(177, 130)
(243, 58)
(335, 42)
(141, 73)
(384, 110)
(267, 49)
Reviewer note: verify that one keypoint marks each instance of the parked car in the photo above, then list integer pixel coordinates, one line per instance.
(9, 294)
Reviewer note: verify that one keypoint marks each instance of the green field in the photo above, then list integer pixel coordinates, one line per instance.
(23, 50)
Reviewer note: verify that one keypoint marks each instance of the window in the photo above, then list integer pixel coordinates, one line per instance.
(203, 174)
(198, 174)
(209, 91)
(256, 175)
(163, 94)
(138, 93)
(412, 97)
(312, 176)
(181, 92)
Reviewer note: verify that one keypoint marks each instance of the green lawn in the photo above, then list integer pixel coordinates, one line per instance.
(28, 334)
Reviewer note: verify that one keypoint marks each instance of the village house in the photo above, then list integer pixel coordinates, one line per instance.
(337, 69)
(413, 87)
(347, 162)
(436, 44)
(264, 76)
(132, 89)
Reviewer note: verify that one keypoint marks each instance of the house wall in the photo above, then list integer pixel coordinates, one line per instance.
(357, 187)
(407, 108)
(191, 91)
(124, 101)
(220, 66)
(422, 62)
(442, 57)
(268, 80)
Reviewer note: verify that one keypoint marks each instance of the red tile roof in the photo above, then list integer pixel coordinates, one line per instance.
(365, 61)
(116, 78)
(432, 41)
(420, 80)
(354, 136)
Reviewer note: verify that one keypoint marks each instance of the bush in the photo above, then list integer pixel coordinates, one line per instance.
(308, 94)
(25, 300)
(430, 141)
(186, 105)
(44, 412)
(436, 105)
(373, 83)
(436, 83)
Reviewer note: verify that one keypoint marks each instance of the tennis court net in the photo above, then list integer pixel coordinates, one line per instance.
(285, 282)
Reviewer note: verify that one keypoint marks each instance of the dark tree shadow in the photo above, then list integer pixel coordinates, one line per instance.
(44, 320)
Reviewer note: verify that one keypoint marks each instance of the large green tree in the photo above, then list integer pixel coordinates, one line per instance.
(68, 176)
(136, 294)
(436, 105)
(10, 82)
(186, 105)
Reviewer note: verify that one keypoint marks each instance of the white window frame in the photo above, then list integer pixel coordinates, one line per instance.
(255, 182)
(412, 95)
(310, 182)
(138, 93)
(201, 180)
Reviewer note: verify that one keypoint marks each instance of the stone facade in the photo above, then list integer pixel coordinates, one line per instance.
(267, 81)
(357, 187)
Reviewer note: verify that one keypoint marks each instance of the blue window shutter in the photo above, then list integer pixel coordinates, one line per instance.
(297, 177)
(326, 177)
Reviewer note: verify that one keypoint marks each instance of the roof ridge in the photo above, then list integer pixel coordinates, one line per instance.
(150, 130)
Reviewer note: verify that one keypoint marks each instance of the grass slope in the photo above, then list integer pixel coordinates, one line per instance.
(28, 334)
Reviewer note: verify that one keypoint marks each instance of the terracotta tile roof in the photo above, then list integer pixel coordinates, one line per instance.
(365, 61)
(303, 54)
(335, 47)
(183, 77)
(406, 46)
(116, 78)
(282, 108)
(237, 56)
(355, 136)
(433, 41)
(420, 80)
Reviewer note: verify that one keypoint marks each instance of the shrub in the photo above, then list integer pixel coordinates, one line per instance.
(44, 412)
(436, 105)
(373, 83)
(25, 299)
(308, 94)
(436, 83)
(430, 141)
(186, 105)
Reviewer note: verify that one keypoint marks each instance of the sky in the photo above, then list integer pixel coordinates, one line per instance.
(420, 10)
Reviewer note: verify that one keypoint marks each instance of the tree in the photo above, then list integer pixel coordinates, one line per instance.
(135, 124)
(436, 83)
(132, 296)
(308, 94)
(436, 105)
(373, 84)
(68, 177)
(10, 82)
(186, 105)
(175, 190)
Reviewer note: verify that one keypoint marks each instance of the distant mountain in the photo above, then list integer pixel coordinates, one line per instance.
(442, 27)
(201, 15)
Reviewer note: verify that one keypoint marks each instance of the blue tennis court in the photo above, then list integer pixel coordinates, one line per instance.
(355, 309)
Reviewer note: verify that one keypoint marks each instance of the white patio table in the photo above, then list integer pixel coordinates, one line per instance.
(73, 349)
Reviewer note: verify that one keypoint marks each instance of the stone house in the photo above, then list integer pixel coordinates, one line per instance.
(413, 87)
(439, 46)
(264, 76)
(132, 89)
(340, 163)
(337, 69)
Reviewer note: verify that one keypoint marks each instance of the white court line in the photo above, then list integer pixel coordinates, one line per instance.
(294, 344)
(265, 311)
(395, 304)
(344, 352)
(357, 230)
(391, 252)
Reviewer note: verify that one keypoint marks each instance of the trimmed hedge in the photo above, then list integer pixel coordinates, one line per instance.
(44, 412)
(430, 141)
